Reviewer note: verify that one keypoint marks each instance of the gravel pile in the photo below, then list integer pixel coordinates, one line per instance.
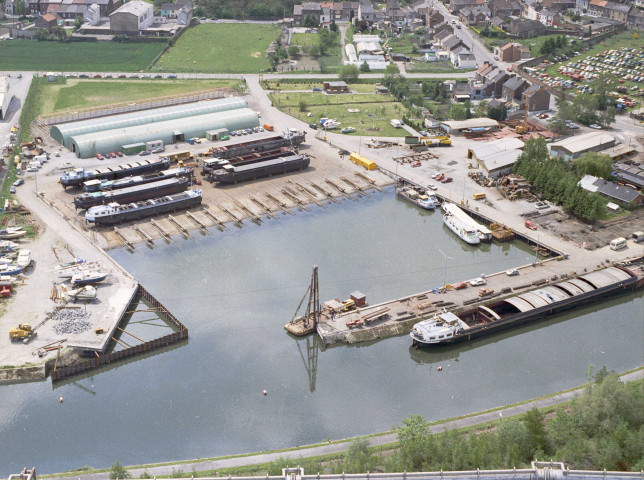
(71, 321)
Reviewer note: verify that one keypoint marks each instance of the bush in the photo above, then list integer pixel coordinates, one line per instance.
(119, 471)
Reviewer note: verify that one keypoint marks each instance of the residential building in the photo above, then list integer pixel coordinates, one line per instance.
(475, 16)
(170, 10)
(461, 92)
(131, 18)
(482, 72)
(457, 5)
(498, 81)
(527, 28)
(582, 5)
(505, 8)
(513, 52)
(366, 12)
(71, 8)
(549, 18)
(618, 11)
(335, 87)
(620, 194)
(635, 18)
(93, 15)
(444, 27)
(9, 6)
(466, 59)
(434, 18)
(573, 147)
(538, 98)
(451, 42)
(184, 15)
(47, 21)
(513, 88)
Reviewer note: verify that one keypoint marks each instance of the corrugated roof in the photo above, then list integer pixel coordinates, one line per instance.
(581, 143)
(533, 299)
(521, 304)
(581, 284)
(571, 288)
(135, 8)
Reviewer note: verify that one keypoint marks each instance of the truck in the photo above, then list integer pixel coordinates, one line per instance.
(268, 127)
(22, 331)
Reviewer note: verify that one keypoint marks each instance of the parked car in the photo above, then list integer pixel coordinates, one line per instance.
(158, 150)
(100, 157)
(18, 182)
(122, 76)
(541, 205)
(512, 272)
(317, 89)
(530, 225)
(143, 153)
(172, 75)
(416, 164)
(112, 155)
(544, 115)
(158, 76)
(595, 126)
(431, 186)
(475, 282)
(447, 180)
(459, 285)
(119, 154)
(573, 126)
(12, 189)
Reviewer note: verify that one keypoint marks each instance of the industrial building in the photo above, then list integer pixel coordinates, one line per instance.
(170, 131)
(131, 18)
(63, 133)
(574, 147)
(496, 158)
(456, 127)
(5, 96)
(621, 194)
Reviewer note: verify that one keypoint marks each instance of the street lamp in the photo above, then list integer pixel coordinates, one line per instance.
(445, 257)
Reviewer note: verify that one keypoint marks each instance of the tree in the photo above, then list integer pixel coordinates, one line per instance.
(281, 53)
(59, 32)
(557, 124)
(392, 69)
(348, 73)
(303, 106)
(333, 27)
(20, 8)
(314, 51)
(41, 34)
(533, 421)
(293, 50)
(499, 113)
(78, 23)
(593, 163)
(358, 458)
(364, 68)
(458, 111)
(414, 437)
(481, 109)
(310, 21)
(119, 471)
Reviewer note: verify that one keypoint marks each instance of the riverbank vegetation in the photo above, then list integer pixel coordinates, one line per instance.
(557, 179)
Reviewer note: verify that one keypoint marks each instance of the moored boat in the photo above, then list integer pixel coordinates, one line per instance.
(276, 166)
(484, 233)
(69, 272)
(24, 258)
(76, 177)
(464, 232)
(132, 194)
(114, 213)
(418, 197)
(131, 181)
(10, 269)
(525, 307)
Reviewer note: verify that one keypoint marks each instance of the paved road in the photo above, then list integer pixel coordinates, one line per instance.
(476, 419)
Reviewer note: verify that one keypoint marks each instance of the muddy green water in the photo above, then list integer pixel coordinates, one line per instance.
(236, 289)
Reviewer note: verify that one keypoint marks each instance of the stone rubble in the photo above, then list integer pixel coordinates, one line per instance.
(71, 321)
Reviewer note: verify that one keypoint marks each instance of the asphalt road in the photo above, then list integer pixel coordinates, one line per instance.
(473, 420)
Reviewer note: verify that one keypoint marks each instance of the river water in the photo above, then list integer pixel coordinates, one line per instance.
(236, 289)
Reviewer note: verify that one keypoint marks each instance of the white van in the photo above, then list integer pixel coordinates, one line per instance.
(618, 243)
(33, 166)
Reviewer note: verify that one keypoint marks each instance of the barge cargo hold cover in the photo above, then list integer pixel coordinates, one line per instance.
(276, 166)
(527, 307)
(75, 178)
(289, 139)
(133, 194)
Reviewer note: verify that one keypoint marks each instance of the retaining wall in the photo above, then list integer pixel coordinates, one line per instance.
(108, 358)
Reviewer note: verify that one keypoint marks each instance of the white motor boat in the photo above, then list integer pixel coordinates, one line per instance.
(68, 272)
(88, 278)
(86, 292)
(24, 258)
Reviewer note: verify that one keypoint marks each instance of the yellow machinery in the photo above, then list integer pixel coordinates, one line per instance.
(23, 330)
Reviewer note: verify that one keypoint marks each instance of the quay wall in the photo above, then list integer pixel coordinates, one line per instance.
(22, 374)
(107, 358)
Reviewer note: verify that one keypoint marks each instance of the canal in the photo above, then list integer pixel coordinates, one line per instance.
(236, 289)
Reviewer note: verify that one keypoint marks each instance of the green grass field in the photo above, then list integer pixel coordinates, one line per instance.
(78, 56)
(75, 93)
(382, 107)
(304, 39)
(220, 48)
(434, 67)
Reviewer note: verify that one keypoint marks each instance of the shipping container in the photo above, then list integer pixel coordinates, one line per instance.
(153, 145)
(411, 140)
(133, 148)
(362, 161)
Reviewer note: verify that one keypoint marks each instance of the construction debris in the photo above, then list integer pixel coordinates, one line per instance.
(72, 321)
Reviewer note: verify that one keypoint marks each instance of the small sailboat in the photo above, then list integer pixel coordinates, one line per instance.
(88, 277)
(68, 272)
(24, 258)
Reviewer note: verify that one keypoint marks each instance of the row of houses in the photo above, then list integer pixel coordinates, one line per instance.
(325, 13)
(452, 46)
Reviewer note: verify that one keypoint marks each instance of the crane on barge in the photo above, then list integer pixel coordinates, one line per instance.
(307, 323)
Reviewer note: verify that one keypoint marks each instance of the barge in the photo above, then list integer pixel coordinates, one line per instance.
(276, 166)
(418, 197)
(76, 177)
(464, 231)
(131, 181)
(114, 213)
(132, 194)
(287, 139)
(527, 307)
(213, 164)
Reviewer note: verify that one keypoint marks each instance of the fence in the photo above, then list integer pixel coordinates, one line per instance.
(45, 121)
(108, 358)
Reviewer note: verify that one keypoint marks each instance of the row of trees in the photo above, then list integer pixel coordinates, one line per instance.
(600, 429)
(557, 179)
(242, 8)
